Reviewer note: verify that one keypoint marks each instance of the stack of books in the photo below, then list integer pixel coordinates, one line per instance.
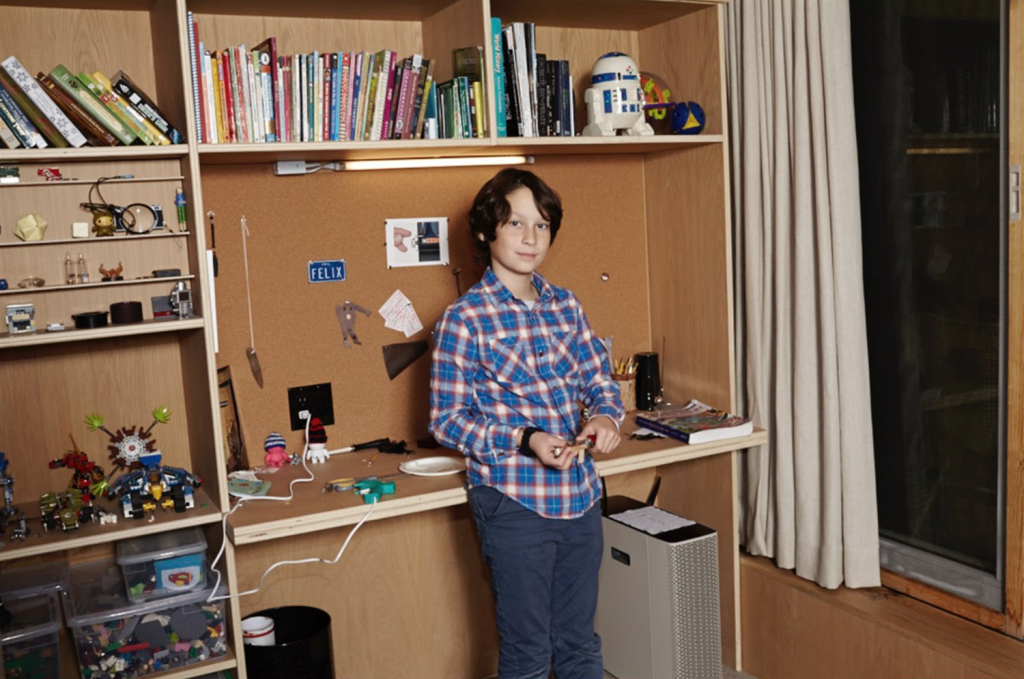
(696, 423)
(64, 110)
(534, 94)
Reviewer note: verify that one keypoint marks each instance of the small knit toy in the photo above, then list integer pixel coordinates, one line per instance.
(275, 446)
(317, 449)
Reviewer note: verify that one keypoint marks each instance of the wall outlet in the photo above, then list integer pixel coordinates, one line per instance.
(316, 398)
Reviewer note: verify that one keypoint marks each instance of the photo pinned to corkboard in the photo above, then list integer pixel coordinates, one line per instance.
(234, 446)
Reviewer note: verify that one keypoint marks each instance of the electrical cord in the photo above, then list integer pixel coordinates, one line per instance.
(290, 496)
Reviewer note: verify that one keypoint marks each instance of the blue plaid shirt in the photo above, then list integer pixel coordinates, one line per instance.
(499, 366)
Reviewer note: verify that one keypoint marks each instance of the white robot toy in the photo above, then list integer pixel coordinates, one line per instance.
(615, 99)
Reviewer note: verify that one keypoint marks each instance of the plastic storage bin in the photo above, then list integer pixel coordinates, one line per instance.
(116, 638)
(31, 638)
(162, 564)
(51, 576)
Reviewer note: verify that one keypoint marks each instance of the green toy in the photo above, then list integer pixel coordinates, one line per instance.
(372, 489)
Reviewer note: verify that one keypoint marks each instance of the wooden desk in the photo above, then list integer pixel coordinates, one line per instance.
(408, 589)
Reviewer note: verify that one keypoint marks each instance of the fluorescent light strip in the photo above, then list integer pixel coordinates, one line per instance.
(406, 163)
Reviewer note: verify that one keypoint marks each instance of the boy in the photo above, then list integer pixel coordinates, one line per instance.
(512, 357)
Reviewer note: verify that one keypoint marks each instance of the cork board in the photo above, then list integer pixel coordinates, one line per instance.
(340, 215)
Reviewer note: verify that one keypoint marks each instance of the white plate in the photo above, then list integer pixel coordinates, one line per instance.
(433, 466)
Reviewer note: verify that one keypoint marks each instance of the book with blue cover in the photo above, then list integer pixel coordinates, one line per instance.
(696, 422)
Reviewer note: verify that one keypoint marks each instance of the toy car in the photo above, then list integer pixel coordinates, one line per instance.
(143, 490)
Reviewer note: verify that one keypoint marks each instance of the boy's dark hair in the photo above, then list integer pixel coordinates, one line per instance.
(491, 209)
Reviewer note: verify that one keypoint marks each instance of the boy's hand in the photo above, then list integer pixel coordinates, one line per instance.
(605, 431)
(548, 450)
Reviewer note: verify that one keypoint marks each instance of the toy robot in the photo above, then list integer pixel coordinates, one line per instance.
(88, 478)
(615, 99)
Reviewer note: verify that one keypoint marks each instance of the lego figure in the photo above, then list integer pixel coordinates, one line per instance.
(89, 478)
(7, 482)
(276, 455)
(615, 99)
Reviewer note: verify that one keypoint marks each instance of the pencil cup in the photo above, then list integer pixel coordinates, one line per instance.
(627, 389)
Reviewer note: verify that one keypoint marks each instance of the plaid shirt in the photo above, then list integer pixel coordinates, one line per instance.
(499, 366)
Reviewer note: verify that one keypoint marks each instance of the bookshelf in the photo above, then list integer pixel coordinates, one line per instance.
(653, 212)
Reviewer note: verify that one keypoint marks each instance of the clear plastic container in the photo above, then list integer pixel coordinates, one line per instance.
(31, 640)
(51, 576)
(163, 564)
(116, 638)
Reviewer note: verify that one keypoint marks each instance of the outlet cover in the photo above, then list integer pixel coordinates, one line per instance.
(316, 398)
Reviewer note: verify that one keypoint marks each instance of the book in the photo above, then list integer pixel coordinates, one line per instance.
(97, 134)
(696, 422)
(31, 112)
(17, 122)
(269, 76)
(43, 103)
(192, 59)
(7, 136)
(427, 80)
(124, 86)
(92, 105)
(116, 107)
(498, 57)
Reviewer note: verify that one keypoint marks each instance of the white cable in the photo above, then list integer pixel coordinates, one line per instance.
(291, 495)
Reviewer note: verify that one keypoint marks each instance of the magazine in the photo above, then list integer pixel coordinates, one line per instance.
(696, 422)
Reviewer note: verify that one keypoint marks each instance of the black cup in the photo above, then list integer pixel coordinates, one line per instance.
(648, 382)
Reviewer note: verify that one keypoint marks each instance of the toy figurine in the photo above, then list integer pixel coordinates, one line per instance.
(615, 100)
(276, 455)
(7, 483)
(102, 224)
(128, 445)
(316, 451)
(88, 478)
(112, 274)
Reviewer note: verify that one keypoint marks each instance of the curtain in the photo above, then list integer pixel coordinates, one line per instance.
(808, 496)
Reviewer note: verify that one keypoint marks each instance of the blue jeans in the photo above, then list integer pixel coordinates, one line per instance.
(544, 578)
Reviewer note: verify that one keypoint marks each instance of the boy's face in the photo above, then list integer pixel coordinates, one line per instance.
(521, 243)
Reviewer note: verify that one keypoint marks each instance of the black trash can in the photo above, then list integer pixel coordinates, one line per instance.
(302, 648)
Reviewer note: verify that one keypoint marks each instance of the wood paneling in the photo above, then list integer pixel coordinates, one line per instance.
(341, 216)
(459, 25)
(1015, 355)
(410, 597)
(793, 629)
(944, 600)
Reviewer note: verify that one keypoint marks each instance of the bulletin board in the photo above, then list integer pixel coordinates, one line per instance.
(600, 254)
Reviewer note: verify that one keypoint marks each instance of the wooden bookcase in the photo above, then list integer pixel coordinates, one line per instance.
(651, 212)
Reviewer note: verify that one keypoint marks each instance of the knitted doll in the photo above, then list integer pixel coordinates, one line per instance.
(276, 455)
(316, 450)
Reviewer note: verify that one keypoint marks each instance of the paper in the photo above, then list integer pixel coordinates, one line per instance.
(651, 520)
(399, 315)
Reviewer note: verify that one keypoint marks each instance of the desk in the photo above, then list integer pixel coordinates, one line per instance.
(410, 597)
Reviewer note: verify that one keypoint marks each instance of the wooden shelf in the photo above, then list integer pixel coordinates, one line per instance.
(72, 182)
(100, 284)
(149, 327)
(313, 510)
(93, 239)
(93, 533)
(119, 153)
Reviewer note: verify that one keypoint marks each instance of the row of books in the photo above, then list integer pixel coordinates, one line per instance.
(63, 110)
(255, 96)
(534, 97)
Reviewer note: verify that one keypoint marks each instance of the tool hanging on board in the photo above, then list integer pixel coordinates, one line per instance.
(213, 243)
(250, 351)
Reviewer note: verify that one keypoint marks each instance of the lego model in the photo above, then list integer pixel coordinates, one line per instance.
(155, 485)
(7, 483)
(615, 99)
(67, 510)
(88, 477)
(128, 444)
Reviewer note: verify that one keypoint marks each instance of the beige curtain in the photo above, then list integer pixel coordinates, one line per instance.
(808, 496)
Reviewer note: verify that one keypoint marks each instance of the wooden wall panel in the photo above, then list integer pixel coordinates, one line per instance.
(390, 616)
(341, 216)
(690, 260)
(793, 629)
(46, 392)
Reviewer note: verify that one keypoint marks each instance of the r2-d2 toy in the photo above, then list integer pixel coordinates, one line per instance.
(615, 100)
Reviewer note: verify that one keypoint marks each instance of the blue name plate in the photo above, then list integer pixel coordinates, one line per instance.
(327, 271)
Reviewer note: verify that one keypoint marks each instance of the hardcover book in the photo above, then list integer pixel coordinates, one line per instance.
(19, 123)
(124, 86)
(98, 135)
(696, 422)
(42, 102)
(40, 121)
(74, 87)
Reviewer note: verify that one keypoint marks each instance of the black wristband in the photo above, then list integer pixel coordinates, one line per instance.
(524, 443)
